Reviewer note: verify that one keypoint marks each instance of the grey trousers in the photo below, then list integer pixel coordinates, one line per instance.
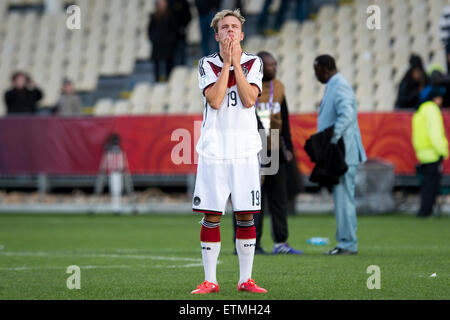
(345, 211)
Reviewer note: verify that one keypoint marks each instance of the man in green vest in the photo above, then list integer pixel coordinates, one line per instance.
(430, 145)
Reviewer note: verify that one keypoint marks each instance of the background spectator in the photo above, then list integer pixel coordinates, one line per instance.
(445, 33)
(24, 95)
(338, 108)
(301, 13)
(206, 10)
(412, 84)
(431, 147)
(445, 39)
(181, 14)
(272, 113)
(162, 32)
(69, 103)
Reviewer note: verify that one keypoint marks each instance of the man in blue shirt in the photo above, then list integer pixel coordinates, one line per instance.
(338, 108)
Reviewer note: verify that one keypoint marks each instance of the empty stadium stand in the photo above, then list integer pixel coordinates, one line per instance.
(374, 61)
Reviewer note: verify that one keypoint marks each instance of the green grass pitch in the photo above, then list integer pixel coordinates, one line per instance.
(158, 257)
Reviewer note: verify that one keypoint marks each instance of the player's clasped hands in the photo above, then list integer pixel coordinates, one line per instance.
(230, 50)
(236, 51)
(226, 51)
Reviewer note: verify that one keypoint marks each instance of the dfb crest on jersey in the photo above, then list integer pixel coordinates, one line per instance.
(197, 201)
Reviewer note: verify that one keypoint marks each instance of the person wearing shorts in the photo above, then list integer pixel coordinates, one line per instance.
(228, 147)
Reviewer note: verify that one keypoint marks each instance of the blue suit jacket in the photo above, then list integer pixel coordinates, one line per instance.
(338, 108)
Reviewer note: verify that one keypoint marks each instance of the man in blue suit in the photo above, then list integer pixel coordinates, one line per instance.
(338, 108)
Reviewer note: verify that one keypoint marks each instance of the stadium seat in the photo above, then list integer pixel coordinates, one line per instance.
(103, 107)
(327, 12)
(52, 90)
(439, 58)
(127, 60)
(271, 44)
(103, 40)
(366, 104)
(138, 98)
(402, 44)
(193, 33)
(107, 47)
(3, 110)
(344, 13)
(253, 44)
(349, 73)
(158, 98)
(89, 79)
(383, 73)
(307, 45)
(290, 28)
(194, 103)
(344, 29)
(421, 45)
(399, 27)
(253, 6)
(385, 95)
(176, 101)
(418, 25)
(435, 9)
(308, 29)
(144, 48)
(326, 44)
(122, 107)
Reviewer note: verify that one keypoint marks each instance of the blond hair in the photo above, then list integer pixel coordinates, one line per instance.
(225, 13)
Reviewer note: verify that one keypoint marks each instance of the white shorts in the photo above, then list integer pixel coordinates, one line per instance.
(217, 180)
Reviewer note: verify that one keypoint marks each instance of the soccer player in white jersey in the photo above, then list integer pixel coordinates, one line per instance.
(228, 165)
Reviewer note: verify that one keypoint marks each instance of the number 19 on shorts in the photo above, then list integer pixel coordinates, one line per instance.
(255, 197)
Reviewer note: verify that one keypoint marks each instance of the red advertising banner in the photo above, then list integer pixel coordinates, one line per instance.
(166, 144)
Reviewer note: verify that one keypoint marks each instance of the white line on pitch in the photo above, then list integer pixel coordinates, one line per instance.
(49, 267)
(94, 255)
(189, 265)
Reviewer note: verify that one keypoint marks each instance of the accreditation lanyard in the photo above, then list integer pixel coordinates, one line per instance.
(270, 97)
(264, 115)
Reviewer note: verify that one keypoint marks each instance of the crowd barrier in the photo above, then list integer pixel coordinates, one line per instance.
(165, 144)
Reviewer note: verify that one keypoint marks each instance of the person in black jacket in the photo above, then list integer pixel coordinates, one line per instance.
(24, 95)
(412, 84)
(329, 158)
(272, 114)
(181, 14)
(162, 32)
(206, 10)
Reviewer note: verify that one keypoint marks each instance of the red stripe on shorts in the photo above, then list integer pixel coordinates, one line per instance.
(245, 212)
(207, 211)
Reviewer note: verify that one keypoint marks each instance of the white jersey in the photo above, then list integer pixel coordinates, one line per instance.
(231, 132)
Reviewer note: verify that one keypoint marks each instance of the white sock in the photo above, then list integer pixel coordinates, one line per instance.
(210, 254)
(246, 251)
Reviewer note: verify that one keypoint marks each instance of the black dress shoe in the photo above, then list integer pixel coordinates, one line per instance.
(338, 251)
(260, 250)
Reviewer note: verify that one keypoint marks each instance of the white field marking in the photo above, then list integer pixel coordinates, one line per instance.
(189, 265)
(50, 267)
(94, 255)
